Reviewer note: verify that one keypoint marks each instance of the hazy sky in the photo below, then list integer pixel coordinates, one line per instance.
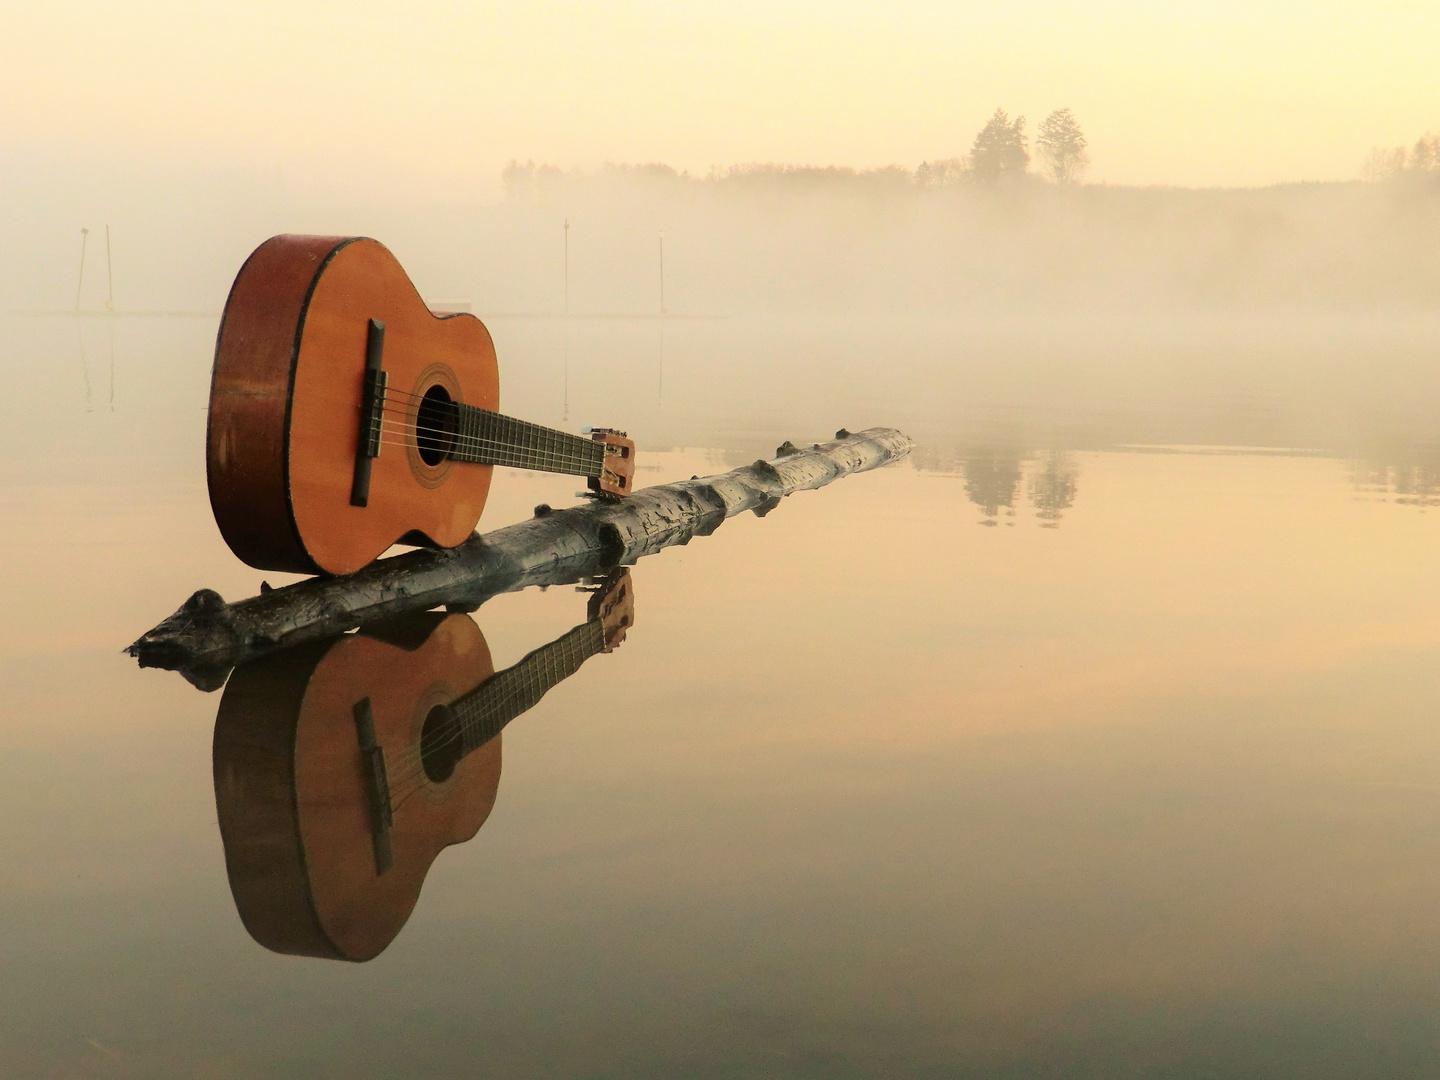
(434, 98)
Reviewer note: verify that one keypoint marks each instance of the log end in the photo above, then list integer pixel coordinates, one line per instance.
(202, 626)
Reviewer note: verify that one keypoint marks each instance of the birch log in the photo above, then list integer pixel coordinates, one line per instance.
(206, 637)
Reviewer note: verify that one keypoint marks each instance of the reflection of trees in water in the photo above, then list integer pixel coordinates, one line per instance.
(991, 480)
(995, 477)
(1412, 481)
(1052, 487)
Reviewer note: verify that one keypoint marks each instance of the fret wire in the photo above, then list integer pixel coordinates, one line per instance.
(530, 445)
(492, 438)
(554, 664)
(474, 444)
(483, 455)
(510, 693)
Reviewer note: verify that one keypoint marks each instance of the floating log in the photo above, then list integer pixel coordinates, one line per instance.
(207, 637)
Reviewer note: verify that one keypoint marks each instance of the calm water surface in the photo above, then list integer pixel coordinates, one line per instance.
(1043, 753)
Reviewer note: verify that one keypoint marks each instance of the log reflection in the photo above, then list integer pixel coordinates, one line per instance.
(343, 768)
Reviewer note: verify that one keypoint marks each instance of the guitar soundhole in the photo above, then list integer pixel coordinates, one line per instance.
(435, 425)
(441, 745)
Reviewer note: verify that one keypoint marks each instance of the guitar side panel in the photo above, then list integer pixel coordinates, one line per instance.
(250, 388)
(254, 763)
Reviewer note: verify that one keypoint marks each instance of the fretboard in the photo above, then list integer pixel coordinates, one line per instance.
(488, 438)
(484, 711)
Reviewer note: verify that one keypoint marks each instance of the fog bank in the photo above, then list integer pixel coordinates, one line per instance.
(756, 241)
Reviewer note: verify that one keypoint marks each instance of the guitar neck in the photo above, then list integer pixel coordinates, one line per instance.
(488, 438)
(486, 710)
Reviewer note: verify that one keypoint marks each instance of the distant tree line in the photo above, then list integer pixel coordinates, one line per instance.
(999, 153)
(1420, 160)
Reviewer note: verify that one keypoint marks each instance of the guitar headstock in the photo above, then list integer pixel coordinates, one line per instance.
(613, 603)
(617, 474)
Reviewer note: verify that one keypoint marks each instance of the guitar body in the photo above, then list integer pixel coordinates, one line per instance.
(290, 783)
(285, 402)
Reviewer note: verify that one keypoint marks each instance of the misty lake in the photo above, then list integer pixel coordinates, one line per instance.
(1097, 738)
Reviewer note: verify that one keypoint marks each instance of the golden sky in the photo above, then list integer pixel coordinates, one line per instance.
(434, 98)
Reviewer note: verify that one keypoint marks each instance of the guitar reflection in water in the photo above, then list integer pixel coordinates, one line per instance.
(344, 768)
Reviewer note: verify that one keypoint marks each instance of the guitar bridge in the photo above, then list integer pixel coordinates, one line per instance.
(376, 781)
(372, 413)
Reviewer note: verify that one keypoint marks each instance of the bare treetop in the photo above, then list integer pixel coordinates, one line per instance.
(1422, 160)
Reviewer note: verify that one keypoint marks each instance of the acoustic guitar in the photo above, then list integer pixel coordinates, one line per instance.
(345, 416)
(344, 768)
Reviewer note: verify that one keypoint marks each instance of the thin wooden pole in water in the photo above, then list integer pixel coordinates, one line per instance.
(662, 274)
(109, 274)
(111, 328)
(84, 369)
(84, 238)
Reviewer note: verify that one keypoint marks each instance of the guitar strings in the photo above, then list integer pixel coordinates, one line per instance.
(506, 453)
(411, 778)
(452, 445)
(503, 456)
(577, 455)
(565, 452)
(569, 450)
(531, 685)
(571, 454)
(516, 700)
(455, 407)
(575, 444)
(572, 445)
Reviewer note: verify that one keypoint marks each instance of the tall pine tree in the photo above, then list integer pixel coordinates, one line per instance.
(999, 151)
